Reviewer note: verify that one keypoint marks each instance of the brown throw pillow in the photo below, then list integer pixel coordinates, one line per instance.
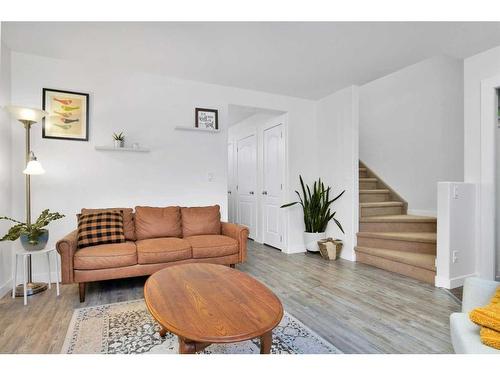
(155, 222)
(128, 219)
(100, 228)
(200, 220)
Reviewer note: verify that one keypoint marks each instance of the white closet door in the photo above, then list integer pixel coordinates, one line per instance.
(273, 160)
(247, 182)
(230, 183)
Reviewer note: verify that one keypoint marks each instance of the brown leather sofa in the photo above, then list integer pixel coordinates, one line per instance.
(156, 237)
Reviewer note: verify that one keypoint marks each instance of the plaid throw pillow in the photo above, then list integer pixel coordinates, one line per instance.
(100, 228)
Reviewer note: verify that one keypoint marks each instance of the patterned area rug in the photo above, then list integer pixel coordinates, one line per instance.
(128, 328)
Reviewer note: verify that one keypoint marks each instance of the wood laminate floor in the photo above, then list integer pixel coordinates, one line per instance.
(358, 308)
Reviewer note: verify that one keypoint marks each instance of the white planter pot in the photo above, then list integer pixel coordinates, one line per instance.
(119, 144)
(311, 240)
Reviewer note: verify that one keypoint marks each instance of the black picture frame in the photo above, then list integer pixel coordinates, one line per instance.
(87, 111)
(197, 118)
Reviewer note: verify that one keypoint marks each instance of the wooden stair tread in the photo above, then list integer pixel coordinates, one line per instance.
(428, 237)
(374, 191)
(398, 219)
(367, 179)
(362, 169)
(426, 261)
(380, 204)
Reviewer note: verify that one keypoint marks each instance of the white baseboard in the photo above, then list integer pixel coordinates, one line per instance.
(422, 212)
(351, 256)
(452, 283)
(6, 288)
(294, 249)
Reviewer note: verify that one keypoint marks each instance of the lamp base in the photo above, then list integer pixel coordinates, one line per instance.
(31, 289)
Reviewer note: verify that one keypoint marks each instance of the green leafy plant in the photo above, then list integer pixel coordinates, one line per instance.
(316, 206)
(33, 230)
(119, 136)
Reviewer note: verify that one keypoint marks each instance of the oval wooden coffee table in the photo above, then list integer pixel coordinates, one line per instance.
(207, 303)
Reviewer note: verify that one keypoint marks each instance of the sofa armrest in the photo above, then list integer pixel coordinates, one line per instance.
(240, 234)
(66, 247)
(477, 293)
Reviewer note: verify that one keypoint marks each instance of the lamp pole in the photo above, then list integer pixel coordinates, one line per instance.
(31, 287)
(28, 117)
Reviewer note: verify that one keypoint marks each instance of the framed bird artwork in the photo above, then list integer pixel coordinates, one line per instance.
(68, 115)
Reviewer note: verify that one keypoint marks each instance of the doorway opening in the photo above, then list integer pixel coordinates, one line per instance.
(257, 172)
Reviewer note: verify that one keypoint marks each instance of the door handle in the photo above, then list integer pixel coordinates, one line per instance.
(250, 192)
(264, 192)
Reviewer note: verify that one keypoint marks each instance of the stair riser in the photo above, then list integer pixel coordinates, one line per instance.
(411, 246)
(363, 174)
(400, 268)
(397, 227)
(366, 198)
(367, 185)
(379, 211)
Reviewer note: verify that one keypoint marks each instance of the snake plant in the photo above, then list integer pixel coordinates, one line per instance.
(316, 206)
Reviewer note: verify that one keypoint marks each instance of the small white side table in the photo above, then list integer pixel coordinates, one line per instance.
(23, 254)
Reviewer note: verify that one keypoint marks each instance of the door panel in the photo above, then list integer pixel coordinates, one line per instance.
(230, 183)
(247, 182)
(273, 159)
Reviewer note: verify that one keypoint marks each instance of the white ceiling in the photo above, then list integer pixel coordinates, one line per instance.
(309, 60)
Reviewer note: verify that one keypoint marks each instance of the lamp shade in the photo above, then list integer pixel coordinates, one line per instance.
(25, 113)
(34, 166)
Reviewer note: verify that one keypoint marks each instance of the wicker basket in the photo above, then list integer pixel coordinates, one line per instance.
(330, 248)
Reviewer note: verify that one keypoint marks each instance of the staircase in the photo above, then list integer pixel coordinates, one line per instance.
(388, 237)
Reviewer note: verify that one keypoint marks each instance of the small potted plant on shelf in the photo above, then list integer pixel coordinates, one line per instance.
(33, 236)
(119, 139)
(317, 213)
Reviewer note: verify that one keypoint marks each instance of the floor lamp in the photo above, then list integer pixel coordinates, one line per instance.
(28, 117)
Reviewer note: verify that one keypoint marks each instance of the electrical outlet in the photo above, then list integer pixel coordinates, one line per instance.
(455, 192)
(454, 258)
(210, 177)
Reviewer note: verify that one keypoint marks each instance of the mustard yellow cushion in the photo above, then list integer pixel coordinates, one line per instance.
(489, 315)
(490, 337)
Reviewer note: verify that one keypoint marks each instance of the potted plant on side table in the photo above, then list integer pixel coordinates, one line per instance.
(33, 236)
(317, 214)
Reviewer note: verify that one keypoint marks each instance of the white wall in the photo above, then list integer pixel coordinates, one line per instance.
(147, 108)
(5, 170)
(478, 68)
(456, 258)
(411, 131)
(338, 124)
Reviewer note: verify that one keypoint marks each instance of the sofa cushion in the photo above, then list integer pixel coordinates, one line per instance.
(160, 250)
(106, 256)
(212, 245)
(156, 222)
(465, 336)
(200, 220)
(100, 228)
(128, 219)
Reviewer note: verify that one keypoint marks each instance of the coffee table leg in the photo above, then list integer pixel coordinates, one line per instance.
(186, 347)
(191, 347)
(163, 332)
(266, 341)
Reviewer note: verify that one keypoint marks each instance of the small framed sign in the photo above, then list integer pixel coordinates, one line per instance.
(68, 116)
(207, 118)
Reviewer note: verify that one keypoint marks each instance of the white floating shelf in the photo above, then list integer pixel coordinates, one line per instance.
(123, 149)
(191, 128)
